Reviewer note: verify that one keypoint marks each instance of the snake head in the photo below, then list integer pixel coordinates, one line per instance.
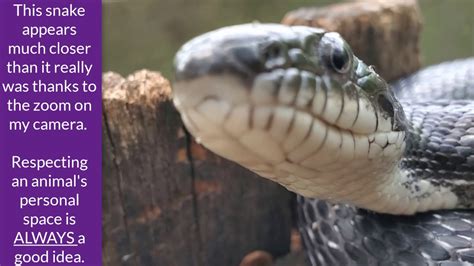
(296, 66)
(289, 103)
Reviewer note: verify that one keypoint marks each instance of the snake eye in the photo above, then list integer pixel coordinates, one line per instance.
(336, 53)
(340, 59)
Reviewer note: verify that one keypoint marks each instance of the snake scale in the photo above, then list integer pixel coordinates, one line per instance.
(294, 105)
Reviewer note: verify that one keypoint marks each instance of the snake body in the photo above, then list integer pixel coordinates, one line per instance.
(340, 234)
(294, 105)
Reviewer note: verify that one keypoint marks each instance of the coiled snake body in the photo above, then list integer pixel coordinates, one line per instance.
(294, 105)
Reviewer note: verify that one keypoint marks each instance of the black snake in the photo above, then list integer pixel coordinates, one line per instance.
(294, 105)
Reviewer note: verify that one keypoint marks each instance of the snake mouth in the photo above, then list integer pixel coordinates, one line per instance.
(285, 116)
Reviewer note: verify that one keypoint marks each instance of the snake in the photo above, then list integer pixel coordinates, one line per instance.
(384, 173)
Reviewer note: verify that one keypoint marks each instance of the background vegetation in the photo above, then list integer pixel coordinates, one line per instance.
(147, 33)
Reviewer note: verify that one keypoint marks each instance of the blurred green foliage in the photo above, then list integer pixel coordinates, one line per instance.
(147, 33)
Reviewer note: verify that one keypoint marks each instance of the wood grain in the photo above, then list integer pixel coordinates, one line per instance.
(169, 201)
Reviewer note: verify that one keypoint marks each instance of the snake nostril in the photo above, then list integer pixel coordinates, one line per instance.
(271, 52)
(273, 55)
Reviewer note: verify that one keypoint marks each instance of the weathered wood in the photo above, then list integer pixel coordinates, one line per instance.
(383, 33)
(167, 200)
